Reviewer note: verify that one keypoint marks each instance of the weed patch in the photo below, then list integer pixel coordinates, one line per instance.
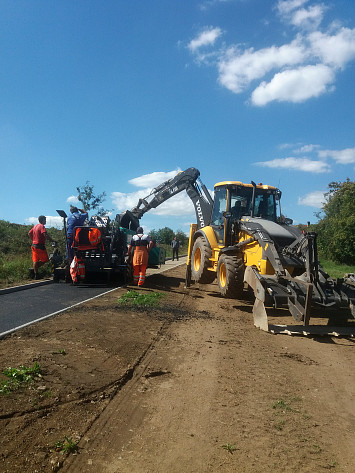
(282, 405)
(59, 352)
(16, 377)
(67, 445)
(230, 448)
(136, 299)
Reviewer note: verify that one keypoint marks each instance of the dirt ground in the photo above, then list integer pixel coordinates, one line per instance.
(190, 386)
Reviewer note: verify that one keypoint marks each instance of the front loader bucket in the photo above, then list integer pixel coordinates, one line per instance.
(296, 294)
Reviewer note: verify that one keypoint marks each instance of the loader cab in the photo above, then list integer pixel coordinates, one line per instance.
(235, 201)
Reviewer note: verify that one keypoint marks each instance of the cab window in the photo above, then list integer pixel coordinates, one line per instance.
(241, 198)
(220, 204)
(265, 206)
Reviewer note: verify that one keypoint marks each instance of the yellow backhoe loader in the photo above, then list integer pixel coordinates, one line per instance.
(247, 243)
(241, 239)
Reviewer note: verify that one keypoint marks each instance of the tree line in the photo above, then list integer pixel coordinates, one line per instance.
(166, 235)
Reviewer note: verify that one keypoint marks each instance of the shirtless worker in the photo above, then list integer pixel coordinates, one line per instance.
(39, 235)
(140, 245)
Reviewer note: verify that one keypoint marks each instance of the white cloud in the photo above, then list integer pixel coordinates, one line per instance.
(307, 148)
(237, 70)
(304, 68)
(285, 7)
(344, 156)
(205, 38)
(335, 50)
(313, 199)
(302, 17)
(308, 18)
(153, 179)
(123, 201)
(298, 164)
(73, 199)
(296, 85)
(52, 221)
(178, 205)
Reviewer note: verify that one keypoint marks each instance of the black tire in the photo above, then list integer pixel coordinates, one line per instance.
(230, 275)
(201, 253)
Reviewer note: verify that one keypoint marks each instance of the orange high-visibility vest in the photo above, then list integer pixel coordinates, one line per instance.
(77, 269)
(94, 236)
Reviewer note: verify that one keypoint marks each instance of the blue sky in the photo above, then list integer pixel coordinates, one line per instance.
(125, 93)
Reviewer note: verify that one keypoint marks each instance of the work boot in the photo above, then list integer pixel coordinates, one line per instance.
(31, 273)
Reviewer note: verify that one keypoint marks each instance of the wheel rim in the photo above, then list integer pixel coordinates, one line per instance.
(197, 259)
(222, 274)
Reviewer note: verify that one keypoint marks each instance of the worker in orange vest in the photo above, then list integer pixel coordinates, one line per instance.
(140, 246)
(39, 235)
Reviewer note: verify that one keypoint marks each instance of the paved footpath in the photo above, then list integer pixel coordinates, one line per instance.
(21, 307)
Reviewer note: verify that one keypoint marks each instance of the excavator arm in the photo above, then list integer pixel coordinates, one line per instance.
(185, 180)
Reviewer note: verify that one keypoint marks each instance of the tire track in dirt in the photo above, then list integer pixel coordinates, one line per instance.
(125, 411)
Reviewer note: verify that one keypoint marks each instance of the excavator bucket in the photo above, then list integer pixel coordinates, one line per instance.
(128, 220)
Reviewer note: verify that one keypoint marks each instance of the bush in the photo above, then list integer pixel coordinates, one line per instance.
(336, 229)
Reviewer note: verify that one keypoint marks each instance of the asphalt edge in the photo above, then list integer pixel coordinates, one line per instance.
(7, 290)
(23, 287)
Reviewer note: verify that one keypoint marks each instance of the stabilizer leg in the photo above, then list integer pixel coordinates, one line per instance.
(259, 311)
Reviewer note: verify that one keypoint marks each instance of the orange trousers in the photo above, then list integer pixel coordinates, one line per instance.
(139, 274)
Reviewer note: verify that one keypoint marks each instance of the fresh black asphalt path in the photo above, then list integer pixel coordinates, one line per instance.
(23, 307)
(26, 306)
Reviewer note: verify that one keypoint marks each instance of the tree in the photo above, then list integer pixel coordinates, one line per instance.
(166, 235)
(336, 229)
(181, 236)
(163, 235)
(91, 201)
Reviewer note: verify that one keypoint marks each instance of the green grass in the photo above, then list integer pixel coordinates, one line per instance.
(67, 445)
(230, 448)
(59, 352)
(336, 270)
(136, 299)
(282, 405)
(17, 377)
(15, 270)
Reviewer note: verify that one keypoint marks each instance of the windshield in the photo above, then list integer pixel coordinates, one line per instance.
(264, 206)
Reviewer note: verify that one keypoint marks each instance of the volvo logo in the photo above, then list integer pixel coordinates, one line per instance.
(199, 213)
